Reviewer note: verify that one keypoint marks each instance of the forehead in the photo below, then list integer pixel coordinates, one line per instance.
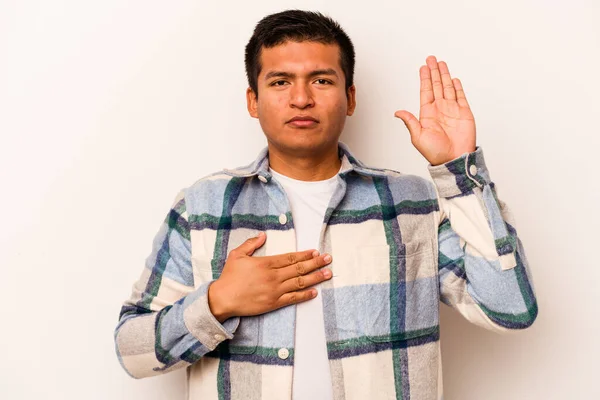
(299, 57)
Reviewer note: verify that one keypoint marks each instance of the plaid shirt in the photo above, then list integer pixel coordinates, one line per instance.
(400, 244)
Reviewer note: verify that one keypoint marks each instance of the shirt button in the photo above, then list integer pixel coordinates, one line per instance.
(473, 169)
(219, 337)
(283, 353)
(262, 179)
(282, 219)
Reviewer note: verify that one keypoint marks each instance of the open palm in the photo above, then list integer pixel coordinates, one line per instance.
(446, 127)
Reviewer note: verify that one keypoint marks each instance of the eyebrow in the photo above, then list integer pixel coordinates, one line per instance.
(282, 74)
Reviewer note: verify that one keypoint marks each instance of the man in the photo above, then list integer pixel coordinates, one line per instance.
(310, 275)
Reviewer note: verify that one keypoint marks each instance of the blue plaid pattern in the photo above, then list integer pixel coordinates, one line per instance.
(400, 245)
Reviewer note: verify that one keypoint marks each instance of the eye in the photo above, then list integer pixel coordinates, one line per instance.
(323, 82)
(278, 83)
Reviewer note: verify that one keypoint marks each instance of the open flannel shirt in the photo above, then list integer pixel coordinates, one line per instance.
(400, 244)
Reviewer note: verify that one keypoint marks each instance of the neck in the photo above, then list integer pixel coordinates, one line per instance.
(305, 167)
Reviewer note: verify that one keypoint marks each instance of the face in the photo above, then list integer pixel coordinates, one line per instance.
(302, 102)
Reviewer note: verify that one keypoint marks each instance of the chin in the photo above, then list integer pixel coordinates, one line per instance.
(306, 146)
(301, 141)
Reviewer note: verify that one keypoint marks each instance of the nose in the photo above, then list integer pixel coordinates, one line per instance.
(301, 96)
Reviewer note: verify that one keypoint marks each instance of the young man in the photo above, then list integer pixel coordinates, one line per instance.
(309, 275)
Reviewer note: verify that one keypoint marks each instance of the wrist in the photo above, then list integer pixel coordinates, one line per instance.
(217, 307)
(452, 157)
(461, 175)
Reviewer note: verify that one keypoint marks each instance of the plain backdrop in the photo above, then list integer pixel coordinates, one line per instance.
(108, 108)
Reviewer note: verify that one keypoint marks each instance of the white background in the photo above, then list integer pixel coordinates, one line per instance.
(108, 108)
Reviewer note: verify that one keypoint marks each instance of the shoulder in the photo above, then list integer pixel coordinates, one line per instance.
(208, 194)
(400, 181)
(211, 187)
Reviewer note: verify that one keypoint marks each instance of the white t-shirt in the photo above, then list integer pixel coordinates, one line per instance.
(309, 201)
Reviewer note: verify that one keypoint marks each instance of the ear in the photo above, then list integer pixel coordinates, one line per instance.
(252, 103)
(351, 96)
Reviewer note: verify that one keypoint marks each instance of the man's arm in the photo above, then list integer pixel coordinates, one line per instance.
(166, 324)
(483, 271)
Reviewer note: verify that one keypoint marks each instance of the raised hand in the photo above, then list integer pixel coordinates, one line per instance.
(256, 285)
(446, 127)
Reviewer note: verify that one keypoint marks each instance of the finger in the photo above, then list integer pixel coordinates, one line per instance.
(460, 93)
(449, 92)
(412, 123)
(304, 267)
(283, 260)
(305, 281)
(299, 296)
(436, 80)
(426, 86)
(250, 245)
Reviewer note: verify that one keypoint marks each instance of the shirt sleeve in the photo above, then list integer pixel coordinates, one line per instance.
(166, 323)
(483, 270)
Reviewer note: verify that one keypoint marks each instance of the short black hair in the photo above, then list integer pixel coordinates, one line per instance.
(297, 26)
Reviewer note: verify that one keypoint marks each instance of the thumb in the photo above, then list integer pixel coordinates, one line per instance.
(412, 123)
(250, 245)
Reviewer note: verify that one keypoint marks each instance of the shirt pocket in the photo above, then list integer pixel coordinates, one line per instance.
(401, 299)
(245, 337)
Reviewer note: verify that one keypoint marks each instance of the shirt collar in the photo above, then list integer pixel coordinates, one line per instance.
(260, 166)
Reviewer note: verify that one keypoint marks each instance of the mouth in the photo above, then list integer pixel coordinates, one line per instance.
(303, 121)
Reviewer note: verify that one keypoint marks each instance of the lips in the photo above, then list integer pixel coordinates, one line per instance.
(303, 121)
